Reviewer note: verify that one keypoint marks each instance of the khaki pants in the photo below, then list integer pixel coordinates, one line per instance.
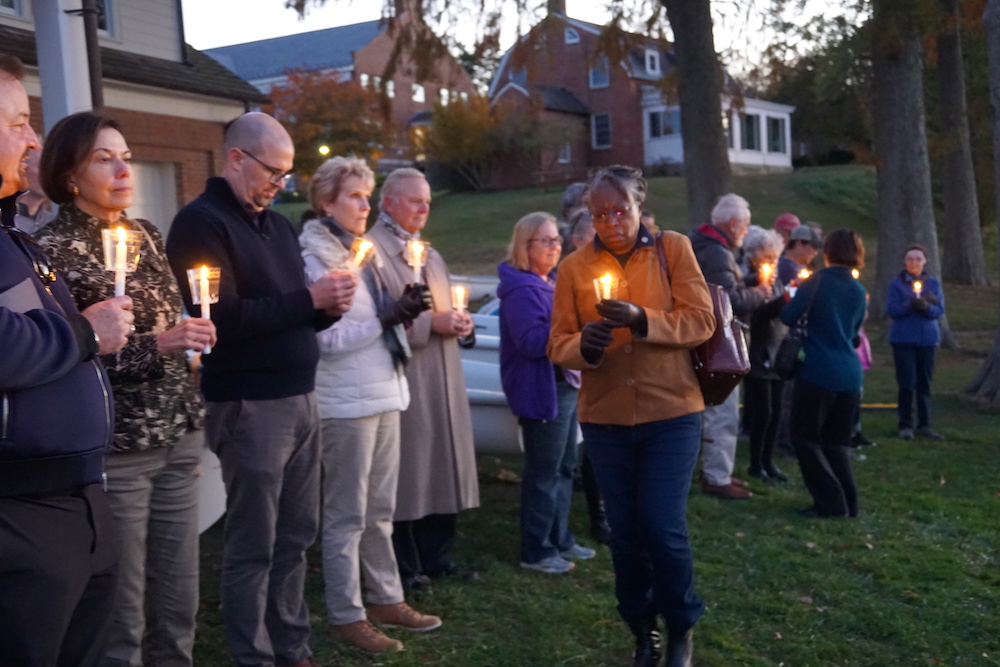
(719, 433)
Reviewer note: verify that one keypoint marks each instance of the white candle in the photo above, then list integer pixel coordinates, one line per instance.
(605, 281)
(363, 249)
(206, 301)
(121, 261)
(918, 287)
(765, 273)
(460, 297)
(417, 250)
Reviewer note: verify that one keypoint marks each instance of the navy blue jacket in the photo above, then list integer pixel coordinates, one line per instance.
(265, 318)
(527, 375)
(55, 401)
(909, 326)
(837, 313)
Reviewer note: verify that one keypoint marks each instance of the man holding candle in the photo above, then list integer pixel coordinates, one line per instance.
(714, 245)
(259, 381)
(800, 251)
(437, 471)
(58, 559)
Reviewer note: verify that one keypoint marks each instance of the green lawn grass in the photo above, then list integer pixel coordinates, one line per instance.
(913, 581)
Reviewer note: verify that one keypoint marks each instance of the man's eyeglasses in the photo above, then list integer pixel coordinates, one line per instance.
(547, 241)
(615, 214)
(278, 177)
(30, 247)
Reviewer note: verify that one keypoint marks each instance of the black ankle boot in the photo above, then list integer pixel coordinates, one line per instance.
(680, 648)
(647, 643)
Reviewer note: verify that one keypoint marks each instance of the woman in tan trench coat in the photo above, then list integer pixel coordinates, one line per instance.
(437, 471)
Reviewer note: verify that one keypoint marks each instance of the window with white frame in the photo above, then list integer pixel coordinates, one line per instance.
(600, 76)
(363, 80)
(727, 127)
(418, 93)
(464, 96)
(750, 132)
(565, 156)
(652, 61)
(600, 130)
(106, 17)
(445, 96)
(571, 36)
(664, 123)
(518, 76)
(11, 7)
(776, 135)
(390, 89)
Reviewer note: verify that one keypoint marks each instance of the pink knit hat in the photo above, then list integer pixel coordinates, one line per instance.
(786, 222)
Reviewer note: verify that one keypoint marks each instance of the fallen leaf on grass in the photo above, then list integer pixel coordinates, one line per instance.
(941, 481)
(810, 545)
(869, 545)
(777, 635)
(508, 476)
(821, 609)
(741, 535)
(910, 594)
(805, 599)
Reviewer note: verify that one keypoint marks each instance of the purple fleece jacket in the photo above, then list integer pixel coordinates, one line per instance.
(527, 375)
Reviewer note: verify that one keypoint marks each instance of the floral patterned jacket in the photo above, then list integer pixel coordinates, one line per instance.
(156, 400)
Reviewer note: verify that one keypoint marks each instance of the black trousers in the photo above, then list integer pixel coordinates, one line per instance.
(422, 546)
(762, 408)
(821, 432)
(58, 564)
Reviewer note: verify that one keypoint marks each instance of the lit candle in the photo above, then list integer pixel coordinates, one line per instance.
(765, 272)
(804, 273)
(855, 273)
(605, 281)
(918, 287)
(460, 298)
(417, 258)
(363, 249)
(121, 261)
(206, 300)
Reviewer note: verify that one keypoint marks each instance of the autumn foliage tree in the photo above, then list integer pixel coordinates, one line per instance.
(477, 138)
(321, 110)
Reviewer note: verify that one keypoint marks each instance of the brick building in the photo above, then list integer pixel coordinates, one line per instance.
(171, 100)
(619, 108)
(362, 53)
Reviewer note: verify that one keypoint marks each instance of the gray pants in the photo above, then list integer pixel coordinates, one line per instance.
(719, 433)
(153, 497)
(269, 451)
(360, 471)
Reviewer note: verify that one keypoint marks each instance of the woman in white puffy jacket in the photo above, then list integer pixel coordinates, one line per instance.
(361, 389)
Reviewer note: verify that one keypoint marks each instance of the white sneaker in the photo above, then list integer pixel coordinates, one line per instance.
(576, 552)
(550, 565)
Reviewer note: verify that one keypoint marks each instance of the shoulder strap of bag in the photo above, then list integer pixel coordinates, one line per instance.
(804, 318)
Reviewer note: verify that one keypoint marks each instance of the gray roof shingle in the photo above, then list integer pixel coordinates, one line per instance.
(200, 74)
(312, 51)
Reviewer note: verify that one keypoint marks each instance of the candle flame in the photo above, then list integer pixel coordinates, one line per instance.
(917, 286)
(605, 279)
(460, 292)
(855, 273)
(204, 273)
(804, 273)
(121, 235)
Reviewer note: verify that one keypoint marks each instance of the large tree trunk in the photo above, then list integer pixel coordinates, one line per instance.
(905, 204)
(986, 384)
(962, 261)
(699, 88)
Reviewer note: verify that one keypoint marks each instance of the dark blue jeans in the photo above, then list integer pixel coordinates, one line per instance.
(547, 480)
(644, 473)
(914, 372)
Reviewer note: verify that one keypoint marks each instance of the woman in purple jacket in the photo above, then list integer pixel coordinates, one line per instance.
(915, 303)
(540, 394)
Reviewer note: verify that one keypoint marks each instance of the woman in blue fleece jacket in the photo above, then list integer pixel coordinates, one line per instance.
(915, 335)
(541, 394)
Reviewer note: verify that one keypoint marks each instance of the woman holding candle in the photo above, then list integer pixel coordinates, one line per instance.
(828, 384)
(762, 386)
(541, 394)
(640, 403)
(361, 388)
(152, 472)
(915, 302)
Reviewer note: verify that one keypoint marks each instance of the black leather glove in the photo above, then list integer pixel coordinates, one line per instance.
(624, 314)
(415, 300)
(930, 298)
(918, 304)
(594, 337)
(468, 342)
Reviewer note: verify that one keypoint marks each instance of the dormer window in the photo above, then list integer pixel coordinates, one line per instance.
(600, 75)
(652, 61)
(571, 36)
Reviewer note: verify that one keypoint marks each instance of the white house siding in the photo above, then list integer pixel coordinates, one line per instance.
(148, 27)
(762, 159)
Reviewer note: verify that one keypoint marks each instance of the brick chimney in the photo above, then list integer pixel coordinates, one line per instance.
(557, 6)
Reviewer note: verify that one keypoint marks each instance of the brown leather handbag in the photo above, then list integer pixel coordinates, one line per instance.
(720, 362)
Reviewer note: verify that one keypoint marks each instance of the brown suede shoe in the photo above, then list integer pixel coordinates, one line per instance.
(402, 615)
(728, 491)
(742, 483)
(366, 637)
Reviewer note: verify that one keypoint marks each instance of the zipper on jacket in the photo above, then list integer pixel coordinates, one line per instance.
(5, 409)
(107, 399)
